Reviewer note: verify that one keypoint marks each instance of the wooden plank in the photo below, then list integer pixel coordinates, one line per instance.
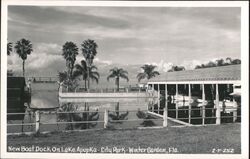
(189, 106)
(218, 116)
(203, 104)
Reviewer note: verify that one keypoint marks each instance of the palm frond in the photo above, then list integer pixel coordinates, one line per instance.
(93, 67)
(111, 76)
(124, 76)
(23, 48)
(96, 74)
(79, 68)
(9, 48)
(140, 76)
(94, 78)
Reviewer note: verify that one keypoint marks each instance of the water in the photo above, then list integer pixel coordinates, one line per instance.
(127, 113)
(122, 114)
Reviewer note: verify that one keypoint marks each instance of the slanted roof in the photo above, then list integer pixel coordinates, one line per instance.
(222, 73)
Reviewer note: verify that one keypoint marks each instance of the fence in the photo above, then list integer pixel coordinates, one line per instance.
(107, 90)
(44, 79)
(147, 117)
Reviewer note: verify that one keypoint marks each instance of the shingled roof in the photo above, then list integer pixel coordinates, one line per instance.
(230, 72)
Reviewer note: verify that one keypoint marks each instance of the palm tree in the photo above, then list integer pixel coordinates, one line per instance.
(118, 73)
(70, 51)
(116, 116)
(93, 74)
(84, 116)
(148, 72)
(9, 48)
(89, 52)
(146, 122)
(23, 48)
(81, 70)
(62, 76)
(70, 83)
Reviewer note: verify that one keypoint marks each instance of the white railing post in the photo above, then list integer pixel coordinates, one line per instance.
(189, 104)
(203, 104)
(165, 113)
(105, 118)
(218, 116)
(235, 111)
(165, 117)
(159, 102)
(37, 114)
(176, 106)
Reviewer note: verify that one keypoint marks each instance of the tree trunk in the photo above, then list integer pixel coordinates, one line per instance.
(117, 109)
(88, 76)
(23, 68)
(117, 82)
(71, 70)
(85, 83)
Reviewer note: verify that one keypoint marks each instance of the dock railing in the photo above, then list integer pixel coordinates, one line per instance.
(153, 115)
(105, 90)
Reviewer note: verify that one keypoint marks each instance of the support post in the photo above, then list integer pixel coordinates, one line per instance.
(203, 104)
(165, 113)
(105, 118)
(37, 114)
(189, 105)
(235, 111)
(218, 115)
(176, 107)
(159, 102)
(165, 117)
(152, 90)
(166, 94)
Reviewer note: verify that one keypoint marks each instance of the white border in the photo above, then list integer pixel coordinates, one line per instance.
(244, 73)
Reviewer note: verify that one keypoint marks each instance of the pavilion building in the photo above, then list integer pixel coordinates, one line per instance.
(219, 85)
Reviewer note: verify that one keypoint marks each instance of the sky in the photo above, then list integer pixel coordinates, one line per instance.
(126, 36)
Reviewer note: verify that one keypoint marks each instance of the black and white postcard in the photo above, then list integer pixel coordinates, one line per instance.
(126, 79)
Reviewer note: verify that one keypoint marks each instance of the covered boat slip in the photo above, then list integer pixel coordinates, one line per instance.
(17, 96)
(211, 95)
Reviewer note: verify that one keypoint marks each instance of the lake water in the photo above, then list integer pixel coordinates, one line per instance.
(128, 113)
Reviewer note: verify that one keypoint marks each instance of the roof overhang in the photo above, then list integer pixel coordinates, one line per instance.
(197, 82)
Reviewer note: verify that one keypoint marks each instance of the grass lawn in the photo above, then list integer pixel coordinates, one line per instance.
(198, 140)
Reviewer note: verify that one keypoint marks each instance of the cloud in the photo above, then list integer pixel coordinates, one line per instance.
(35, 61)
(107, 62)
(58, 16)
(130, 35)
(162, 66)
(48, 48)
(42, 60)
(189, 65)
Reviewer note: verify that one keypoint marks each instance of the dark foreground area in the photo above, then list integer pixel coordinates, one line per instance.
(223, 139)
